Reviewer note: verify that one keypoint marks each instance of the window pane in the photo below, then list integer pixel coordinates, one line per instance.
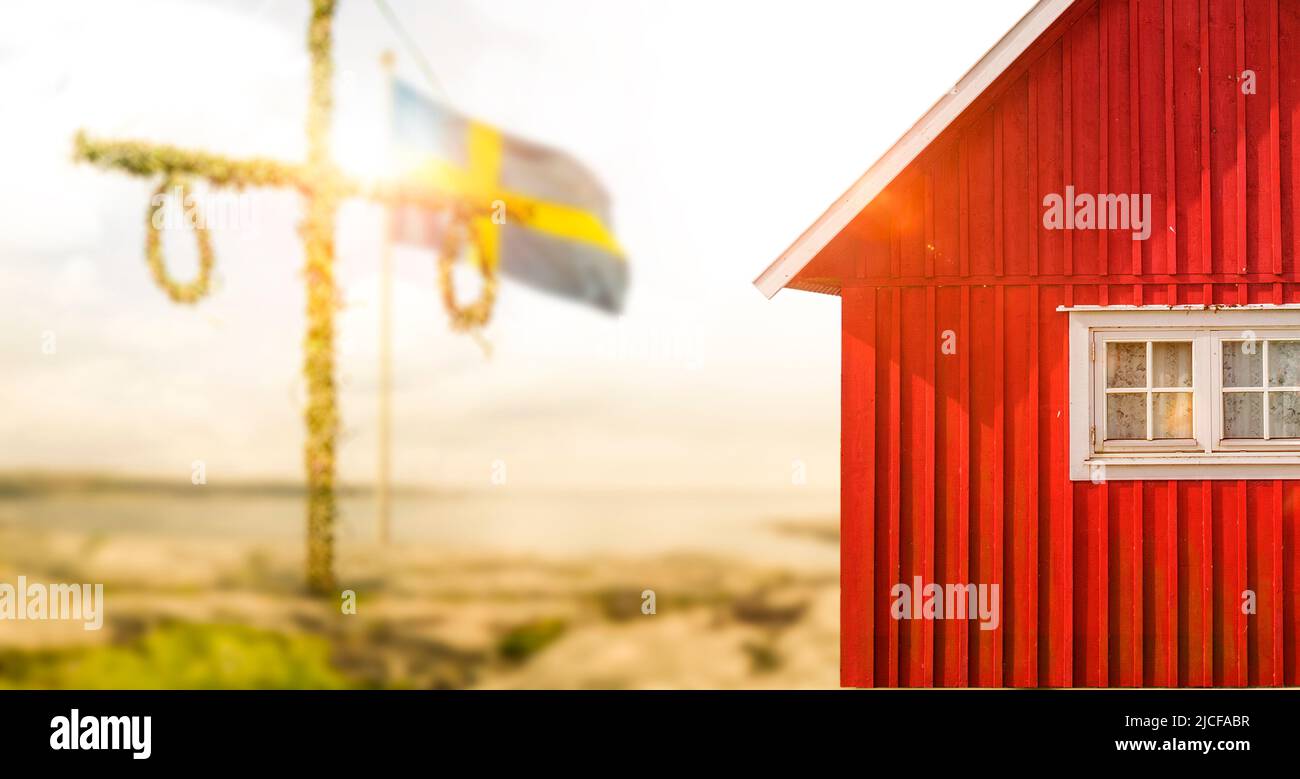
(1172, 414)
(1171, 364)
(1126, 415)
(1243, 364)
(1283, 364)
(1283, 413)
(1126, 365)
(1243, 414)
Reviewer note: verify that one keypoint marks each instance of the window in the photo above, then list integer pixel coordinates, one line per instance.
(1260, 389)
(1184, 393)
(1147, 391)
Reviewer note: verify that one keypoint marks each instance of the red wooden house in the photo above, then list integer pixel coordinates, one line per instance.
(1099, 416)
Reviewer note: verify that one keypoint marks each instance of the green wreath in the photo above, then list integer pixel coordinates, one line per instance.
(188, 292)
(457, 234)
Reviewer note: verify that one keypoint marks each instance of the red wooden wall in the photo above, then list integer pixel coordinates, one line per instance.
(955, 466)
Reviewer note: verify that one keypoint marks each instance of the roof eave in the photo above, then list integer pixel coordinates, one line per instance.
(943, 113)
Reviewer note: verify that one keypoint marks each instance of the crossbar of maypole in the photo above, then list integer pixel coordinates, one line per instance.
(141, 158)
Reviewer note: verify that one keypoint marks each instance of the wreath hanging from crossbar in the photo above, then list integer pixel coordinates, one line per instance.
(188, 292)
(458, 236)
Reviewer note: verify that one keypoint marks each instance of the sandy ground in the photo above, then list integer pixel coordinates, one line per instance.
(429, 618)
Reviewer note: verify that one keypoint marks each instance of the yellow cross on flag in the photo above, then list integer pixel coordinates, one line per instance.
(549, 224)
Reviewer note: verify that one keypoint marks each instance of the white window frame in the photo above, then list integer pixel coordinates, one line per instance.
(1207, 455)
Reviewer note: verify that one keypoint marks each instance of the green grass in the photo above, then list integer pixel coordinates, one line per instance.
(522, 642)
(181, 656)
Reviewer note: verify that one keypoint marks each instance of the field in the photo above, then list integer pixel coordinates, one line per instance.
(491, 590)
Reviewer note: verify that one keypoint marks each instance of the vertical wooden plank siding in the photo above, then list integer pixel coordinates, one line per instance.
(955, 396)
(950, 521)
(858, 484)
(888, 570)
(1290, 603)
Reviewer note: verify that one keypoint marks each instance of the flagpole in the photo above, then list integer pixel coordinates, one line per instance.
(383, 507)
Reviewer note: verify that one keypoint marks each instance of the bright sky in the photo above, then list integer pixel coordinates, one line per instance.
(721, 129)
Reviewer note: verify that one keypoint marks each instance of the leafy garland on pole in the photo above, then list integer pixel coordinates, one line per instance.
(317, 229)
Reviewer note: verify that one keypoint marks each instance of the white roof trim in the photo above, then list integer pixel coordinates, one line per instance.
(913, 142)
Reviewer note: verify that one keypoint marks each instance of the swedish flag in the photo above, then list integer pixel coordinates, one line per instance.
(556, 237)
